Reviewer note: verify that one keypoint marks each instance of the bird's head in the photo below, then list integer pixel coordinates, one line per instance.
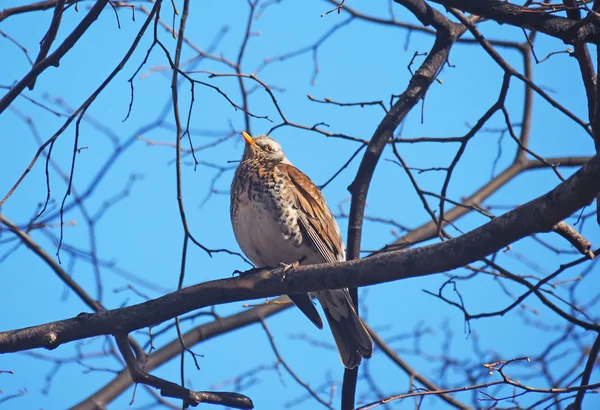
(263, 148)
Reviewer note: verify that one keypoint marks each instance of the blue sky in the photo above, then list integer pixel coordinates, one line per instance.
(142, 233)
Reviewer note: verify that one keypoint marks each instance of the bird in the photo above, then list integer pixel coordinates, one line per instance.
(280, 218)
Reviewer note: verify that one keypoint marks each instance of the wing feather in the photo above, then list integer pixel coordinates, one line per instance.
(315, 217)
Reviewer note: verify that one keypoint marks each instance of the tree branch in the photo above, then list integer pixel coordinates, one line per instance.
(540, 19)
(54, 58)
(429, 230)
(446, 34)
(412, 372)
(538, 215)
(170, 389)
(204, 332)
(50, 35)
(587, 373)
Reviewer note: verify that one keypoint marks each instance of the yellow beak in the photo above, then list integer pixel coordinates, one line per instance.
(248, 138)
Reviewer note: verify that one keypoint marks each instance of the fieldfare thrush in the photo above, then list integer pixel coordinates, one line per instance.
(280, 217)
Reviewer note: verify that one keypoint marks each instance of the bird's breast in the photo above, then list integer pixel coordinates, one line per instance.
(266, 227)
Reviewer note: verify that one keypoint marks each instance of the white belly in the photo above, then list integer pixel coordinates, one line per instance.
(261, 238)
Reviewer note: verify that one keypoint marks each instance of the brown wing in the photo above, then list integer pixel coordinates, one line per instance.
(315, 218)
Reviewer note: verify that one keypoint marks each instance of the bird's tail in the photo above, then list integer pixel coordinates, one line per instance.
(352, 339)
(306, 305)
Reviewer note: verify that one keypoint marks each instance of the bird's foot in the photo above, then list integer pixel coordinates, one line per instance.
(288, 267)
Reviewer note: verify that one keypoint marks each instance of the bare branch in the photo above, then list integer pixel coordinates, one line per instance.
(539, 215)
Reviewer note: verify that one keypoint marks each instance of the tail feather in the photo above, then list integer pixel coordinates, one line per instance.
(306, 305)
(352, 339)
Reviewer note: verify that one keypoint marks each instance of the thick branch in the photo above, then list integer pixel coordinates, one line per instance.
(447, 33)
(416, 90)
(538, 215)
(569, 31)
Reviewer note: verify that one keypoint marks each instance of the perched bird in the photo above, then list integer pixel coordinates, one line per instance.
(280, 217)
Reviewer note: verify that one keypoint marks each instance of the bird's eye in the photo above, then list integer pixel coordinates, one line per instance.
(268, 148)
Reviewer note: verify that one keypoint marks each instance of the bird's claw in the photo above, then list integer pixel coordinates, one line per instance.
(288, 267)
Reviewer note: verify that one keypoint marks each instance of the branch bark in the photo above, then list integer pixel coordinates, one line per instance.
(446, 34)
(538, 215)
(569, 31)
